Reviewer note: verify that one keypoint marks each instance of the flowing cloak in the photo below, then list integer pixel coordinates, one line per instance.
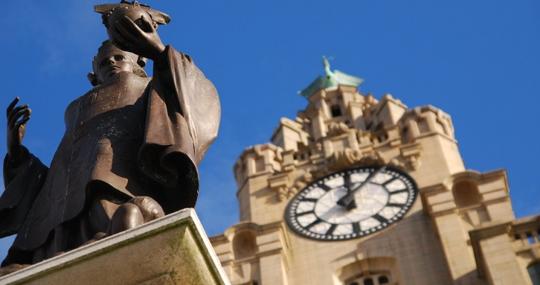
(132, 136)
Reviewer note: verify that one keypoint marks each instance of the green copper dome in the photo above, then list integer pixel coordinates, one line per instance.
(330, 79)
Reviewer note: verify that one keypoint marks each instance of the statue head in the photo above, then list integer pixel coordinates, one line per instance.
(110, 60)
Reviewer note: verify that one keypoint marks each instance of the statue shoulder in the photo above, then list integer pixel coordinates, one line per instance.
(72, 110)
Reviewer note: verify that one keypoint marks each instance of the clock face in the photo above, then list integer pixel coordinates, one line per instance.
(351, 203)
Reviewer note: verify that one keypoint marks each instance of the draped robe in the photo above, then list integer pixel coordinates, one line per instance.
(129, 137)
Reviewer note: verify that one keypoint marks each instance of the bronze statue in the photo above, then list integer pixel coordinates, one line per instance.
(130, 149)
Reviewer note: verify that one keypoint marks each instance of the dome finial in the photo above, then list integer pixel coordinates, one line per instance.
(330, 79)
(326, 65)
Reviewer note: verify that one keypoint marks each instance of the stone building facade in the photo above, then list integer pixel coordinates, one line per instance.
(460, 228)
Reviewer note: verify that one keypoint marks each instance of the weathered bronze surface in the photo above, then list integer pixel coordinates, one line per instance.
(130, 149)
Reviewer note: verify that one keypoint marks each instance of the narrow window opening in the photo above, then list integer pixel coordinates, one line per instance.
(336, 111)
(404, 131)
(530, 238)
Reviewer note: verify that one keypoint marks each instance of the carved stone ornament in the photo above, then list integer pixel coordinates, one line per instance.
(409, 158)
(285, 187)
(337, 128)
(353, 157)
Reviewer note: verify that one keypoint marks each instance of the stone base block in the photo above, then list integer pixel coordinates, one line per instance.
(170, 250)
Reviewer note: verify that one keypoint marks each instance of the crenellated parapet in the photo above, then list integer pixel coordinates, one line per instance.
(256, 161)
(385, 114)
(289, 134)
(423, 121)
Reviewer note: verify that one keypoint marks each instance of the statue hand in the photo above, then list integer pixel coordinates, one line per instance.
(17, 117)
(141, 38)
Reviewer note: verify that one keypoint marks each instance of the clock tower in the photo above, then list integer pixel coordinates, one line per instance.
(360, 191)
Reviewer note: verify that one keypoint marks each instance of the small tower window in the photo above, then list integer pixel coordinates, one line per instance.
(405, 133)
(371, 279)
(336, 111)
(530, 238)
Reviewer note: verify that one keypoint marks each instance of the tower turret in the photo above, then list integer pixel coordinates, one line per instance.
(331, 199)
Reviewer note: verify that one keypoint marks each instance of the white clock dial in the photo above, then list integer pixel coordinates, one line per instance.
(351, 203)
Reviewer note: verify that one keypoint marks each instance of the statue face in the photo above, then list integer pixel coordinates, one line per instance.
(111, 61)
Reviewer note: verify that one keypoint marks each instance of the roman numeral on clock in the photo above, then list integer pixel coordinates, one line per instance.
(304, 213)
(312, 224)
(389, 181)
(356, 227)
(309, 200)
(380, 218)
(347, 181)
(324, 187)
(331, 229)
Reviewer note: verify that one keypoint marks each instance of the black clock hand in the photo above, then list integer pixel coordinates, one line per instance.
(347, 184)
(347, 201)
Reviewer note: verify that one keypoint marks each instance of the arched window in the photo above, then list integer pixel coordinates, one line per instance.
(371, 271)
(371, 279)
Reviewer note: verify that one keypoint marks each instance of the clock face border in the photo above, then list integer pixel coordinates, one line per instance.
(294, 226)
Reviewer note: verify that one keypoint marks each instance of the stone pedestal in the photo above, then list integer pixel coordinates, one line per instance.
(170, 250)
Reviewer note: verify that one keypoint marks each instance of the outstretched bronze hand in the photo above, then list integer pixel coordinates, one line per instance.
(17, 117)
(140, 38)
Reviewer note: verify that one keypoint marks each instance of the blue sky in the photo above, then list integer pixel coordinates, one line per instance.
(477, 60)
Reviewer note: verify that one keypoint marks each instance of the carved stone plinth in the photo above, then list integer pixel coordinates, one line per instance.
(170, 250)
